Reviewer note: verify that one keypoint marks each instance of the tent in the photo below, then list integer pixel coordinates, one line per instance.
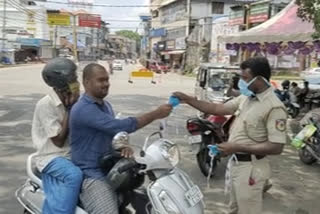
(286, 26)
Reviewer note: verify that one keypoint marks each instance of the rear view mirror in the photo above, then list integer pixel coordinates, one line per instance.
(202, 84)
(203, 78)
(315, 117)
(120, 139)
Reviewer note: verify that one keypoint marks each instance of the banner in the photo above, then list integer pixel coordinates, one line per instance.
(89, 20)
(58, 19)
(259, 12)
(236, 16)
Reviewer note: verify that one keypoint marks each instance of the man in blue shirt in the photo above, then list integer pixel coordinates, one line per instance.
(93, 126)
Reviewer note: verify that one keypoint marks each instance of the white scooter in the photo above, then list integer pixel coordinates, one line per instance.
(170, 191)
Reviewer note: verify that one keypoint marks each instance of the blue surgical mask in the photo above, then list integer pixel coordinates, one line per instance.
(244, 87)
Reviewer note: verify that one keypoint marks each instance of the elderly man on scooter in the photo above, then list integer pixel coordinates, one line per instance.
(60, 177)
(93, 126)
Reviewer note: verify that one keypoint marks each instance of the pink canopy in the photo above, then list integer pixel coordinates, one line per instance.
(284, 27)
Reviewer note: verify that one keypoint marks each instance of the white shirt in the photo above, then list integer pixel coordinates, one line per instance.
(47, 123)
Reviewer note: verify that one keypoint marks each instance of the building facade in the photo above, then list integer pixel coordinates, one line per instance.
(180, 28)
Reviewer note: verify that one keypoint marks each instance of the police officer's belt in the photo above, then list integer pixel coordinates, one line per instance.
(247, 157)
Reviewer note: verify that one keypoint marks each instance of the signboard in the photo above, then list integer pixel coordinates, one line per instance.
(170, 44)
(58, 19)
(31, 19)
(158, 32)
(89, 20)
(236, 16)
(259, 12)
(181, 43)
(161, 46)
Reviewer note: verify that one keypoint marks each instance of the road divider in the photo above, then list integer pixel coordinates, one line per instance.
(142, 73)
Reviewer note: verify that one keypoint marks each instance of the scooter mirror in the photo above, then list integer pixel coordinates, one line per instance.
(119, 115)
(120, 139)
(145, 145)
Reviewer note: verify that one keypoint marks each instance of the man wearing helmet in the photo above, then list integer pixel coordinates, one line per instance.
(60, 177)
(93, 126)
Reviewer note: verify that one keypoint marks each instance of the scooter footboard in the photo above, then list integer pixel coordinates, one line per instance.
(176, 193)
(31, 197)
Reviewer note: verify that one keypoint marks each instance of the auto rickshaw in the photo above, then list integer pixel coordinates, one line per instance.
(213, 80)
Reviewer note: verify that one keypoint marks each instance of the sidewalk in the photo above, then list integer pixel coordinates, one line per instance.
(19, 65)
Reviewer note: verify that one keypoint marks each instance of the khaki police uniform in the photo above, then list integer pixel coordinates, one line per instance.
(258, 119)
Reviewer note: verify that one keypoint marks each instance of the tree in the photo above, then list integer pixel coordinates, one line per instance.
(129, 34)
(309, 10)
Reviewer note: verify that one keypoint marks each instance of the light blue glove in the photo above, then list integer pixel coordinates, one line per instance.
(213, 150)
(174, 101)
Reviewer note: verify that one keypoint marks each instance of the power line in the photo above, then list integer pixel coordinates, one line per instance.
(115, 27)
(21, 20)
(26, 11)
(115, 20)
(100, 5)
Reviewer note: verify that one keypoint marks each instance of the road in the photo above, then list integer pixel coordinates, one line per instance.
(296, 187)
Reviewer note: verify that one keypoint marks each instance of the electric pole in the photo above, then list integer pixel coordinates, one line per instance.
(98, 50)
(4, 24)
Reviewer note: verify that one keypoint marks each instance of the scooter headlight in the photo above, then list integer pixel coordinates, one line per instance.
(170, 151)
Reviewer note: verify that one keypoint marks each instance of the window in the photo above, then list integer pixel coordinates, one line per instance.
(173, 12)
(216, 82)
(217, 8)
(155, 13)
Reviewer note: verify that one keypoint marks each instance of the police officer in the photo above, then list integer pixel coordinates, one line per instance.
(258, 130)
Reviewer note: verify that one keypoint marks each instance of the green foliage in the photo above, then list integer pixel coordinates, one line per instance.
(309, 10)
(129, 34)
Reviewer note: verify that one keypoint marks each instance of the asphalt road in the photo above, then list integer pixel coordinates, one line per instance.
(296, 186)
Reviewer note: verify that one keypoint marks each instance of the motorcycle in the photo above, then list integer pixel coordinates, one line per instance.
(290, 101)
(309, 152)
(204, 132)
(170, 191)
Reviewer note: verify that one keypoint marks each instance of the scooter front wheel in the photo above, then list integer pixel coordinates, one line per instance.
(203, 160)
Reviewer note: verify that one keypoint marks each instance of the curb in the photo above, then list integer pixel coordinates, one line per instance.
(19, 65)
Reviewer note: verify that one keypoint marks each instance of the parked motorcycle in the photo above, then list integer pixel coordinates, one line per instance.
(290, 101)
(204, 132)
(308, 141)
(170, 191)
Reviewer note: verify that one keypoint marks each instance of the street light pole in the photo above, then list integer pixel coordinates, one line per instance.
(188, 17)
(247, 8)
(55, 41)
(4, 24)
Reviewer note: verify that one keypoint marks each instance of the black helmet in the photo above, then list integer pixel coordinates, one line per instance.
(124, 181)
(285, 84)
(59, 73)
